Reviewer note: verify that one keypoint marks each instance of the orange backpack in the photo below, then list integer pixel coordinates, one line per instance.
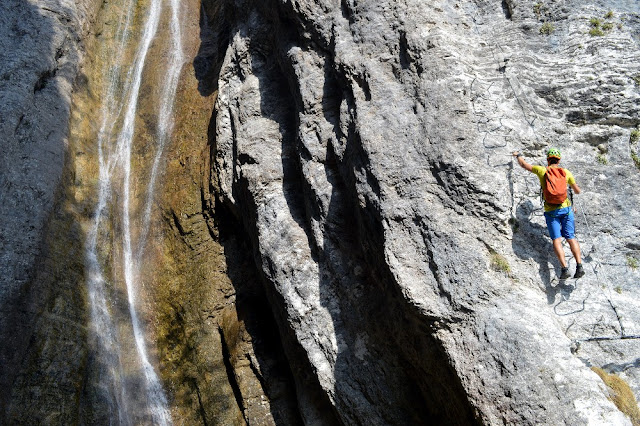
(555, 185)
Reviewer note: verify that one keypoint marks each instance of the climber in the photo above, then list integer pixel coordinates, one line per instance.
(559, 216)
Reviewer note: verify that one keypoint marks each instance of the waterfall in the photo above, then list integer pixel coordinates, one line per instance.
(114, 147)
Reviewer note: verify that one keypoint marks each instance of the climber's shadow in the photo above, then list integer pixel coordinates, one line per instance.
(530, 241)
(565, 289)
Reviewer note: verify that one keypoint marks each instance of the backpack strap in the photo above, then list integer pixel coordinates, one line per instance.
(570, 195)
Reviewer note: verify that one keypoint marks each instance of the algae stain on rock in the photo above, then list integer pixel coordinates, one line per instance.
(54, 362)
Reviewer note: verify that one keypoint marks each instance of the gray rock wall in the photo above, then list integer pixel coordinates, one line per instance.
(41, 48)
(365, 147)
(40, 52)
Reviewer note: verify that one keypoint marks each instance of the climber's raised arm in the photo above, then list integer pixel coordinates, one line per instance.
(524, 164)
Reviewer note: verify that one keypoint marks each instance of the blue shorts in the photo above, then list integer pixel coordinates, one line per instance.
(560, 222)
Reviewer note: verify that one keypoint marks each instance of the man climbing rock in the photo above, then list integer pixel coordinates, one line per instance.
(557, 207)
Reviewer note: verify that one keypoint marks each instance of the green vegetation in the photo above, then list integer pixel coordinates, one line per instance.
(597, 27)
(514, 224)
(547, 28)
(602, 159)
(636, 79)
(633, 138)
(621, 395)
(618, 289)
(499, 263)
(542, 13)
(632, 262)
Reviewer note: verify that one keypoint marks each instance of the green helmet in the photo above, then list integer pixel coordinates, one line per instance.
(553, 152)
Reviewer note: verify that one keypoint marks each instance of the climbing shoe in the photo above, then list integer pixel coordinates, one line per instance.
(579, 271)
(565, 273)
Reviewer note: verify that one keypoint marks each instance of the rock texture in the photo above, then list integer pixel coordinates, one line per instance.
(41, 47)
(219, 350)
(211, 338)
(348, 241)
(365, 148)
(36, 78)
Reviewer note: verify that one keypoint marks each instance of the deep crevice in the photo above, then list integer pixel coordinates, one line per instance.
(506, 9)
(226, 357)
(203, 413)
(347, 13)
(215, 34)
(258, 316)
(405, 59)
(43, 80)
(20, 120)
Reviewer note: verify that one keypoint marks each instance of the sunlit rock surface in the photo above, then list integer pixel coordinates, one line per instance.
(348, 239)
(365, 147)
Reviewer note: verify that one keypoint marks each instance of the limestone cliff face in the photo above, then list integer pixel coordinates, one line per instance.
(339, 234)
(41, 48)
(41, 52)
(365, 148)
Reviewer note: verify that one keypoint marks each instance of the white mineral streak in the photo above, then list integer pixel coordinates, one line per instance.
(116, 174)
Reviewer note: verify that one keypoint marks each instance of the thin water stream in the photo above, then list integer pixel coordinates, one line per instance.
(128, 380)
